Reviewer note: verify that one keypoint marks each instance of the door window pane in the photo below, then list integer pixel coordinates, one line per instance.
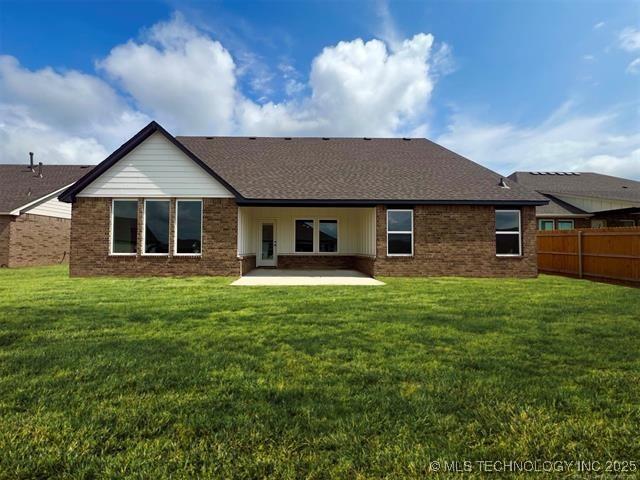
(328, 235)
(125, 226)
(304, 235)
(189, 228)
(156, 223)
(267, 241)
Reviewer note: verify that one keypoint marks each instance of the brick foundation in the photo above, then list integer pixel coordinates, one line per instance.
(316, 262)
(247, 263)
(32, 240)
(457, 240)
(90, 243)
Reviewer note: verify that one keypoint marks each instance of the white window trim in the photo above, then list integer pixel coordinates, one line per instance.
(399, 231)
(573, 223)
(175, 228)
(540, 220)
(144, 227)
(111, 252)
(519, 254)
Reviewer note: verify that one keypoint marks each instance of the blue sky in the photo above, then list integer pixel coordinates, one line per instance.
(513, 85)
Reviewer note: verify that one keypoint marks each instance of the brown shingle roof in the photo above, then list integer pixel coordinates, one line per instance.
(267, 168)
(587, 184)
(20, 186)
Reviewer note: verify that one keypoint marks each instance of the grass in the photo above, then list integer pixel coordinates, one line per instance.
(153, 378)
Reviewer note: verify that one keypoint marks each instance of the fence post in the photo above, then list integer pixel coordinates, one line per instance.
(580, 253)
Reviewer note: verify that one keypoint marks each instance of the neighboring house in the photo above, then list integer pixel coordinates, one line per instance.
(583, 200)
(164, 205)
(34, 224)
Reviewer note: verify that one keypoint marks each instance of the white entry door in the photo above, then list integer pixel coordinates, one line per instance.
(267, 255)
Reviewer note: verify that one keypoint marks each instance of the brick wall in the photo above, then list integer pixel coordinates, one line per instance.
(317, 262)
(90, 243)
(247, 263)
(5, 225)
(34, 240)
(456, 240)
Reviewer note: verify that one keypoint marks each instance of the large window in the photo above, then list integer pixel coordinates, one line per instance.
(508, 232)
(328, 236)
(304, 236)
(565, 224)
(124, 227)
(156, 227)
(399, 232)
(544, 224)
(188, 227)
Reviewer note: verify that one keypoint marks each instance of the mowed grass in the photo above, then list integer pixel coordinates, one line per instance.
(154, 378)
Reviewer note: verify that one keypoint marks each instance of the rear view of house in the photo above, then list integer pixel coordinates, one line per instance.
(34, 225)
(164, 205)
(583, 200)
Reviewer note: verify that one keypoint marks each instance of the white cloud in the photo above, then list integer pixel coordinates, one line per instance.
(68, 116)
(179, 76)
(564, 142)
(629, 39)
(598, 25)
(588, 58)
(634, 67)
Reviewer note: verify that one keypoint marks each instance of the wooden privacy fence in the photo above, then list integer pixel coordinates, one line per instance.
(611, 253)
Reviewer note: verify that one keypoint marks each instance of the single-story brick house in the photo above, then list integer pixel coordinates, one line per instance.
(583, 199)
(34, 225)
(165, 205)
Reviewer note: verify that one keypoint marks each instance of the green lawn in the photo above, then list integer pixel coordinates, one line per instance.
(152, 378)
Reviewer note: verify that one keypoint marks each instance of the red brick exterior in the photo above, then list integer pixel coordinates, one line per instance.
(5, 227)
(316, 262)
(31, 240)
(90, 243)
(456, 240)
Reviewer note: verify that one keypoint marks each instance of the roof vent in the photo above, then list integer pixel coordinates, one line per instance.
(40, 169)
(503, 184)
(31, 161)
(252, 138)
(406, 139)
(287, 138)
(209, 138)
(624, 186)
(367, 138)
(326, 138)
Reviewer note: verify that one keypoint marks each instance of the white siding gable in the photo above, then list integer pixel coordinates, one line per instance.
(51, 208)
(155, 168)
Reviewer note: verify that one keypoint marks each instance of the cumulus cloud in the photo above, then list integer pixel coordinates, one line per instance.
(65, 116)
(179, 75)
(565, 141)
(634, 67)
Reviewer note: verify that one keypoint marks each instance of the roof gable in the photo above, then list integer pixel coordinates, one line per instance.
(153, 127)
(155, 168)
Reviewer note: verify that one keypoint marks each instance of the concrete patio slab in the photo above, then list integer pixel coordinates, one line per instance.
(277, 277)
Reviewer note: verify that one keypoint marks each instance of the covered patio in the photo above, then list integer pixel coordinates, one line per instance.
(307, 238)
(281, 277)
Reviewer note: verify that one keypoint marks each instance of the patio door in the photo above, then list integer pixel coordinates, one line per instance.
(267, 255)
